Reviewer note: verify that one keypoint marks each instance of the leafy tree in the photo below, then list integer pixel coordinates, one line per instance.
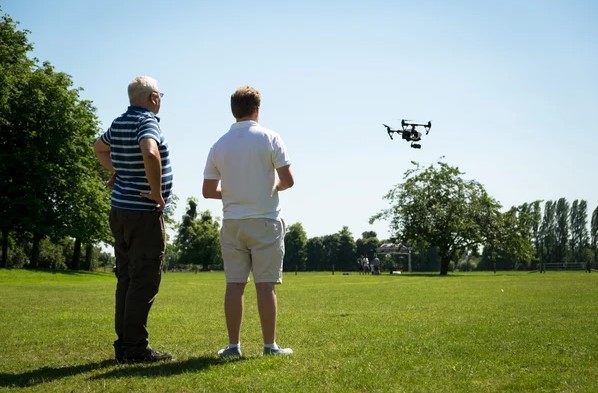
(295, 243)
(346, 256)
(594, 233)
(14, 68)
(548, 234)
(49, 186)
(197, 240)
(331, 245)
(436, 207)
(562, 230)
(315, 254)
(579, 229)
(106, 259)
(367, 244)
(535, 212)
(511, 247)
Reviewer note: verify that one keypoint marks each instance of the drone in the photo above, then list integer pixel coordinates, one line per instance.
(409, 132)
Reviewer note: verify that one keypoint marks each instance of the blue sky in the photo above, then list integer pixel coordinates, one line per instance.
(511, 88)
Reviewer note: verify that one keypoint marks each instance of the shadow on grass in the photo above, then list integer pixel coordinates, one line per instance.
(49, 374)
(164, 369)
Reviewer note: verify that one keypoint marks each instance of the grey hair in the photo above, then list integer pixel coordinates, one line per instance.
(140, 88)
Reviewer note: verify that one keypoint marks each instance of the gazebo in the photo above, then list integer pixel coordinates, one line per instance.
(393, 248)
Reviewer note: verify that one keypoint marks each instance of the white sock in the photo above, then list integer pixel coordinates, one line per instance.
(271, 346)
(238, 345)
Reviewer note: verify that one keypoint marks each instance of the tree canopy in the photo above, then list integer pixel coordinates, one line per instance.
(50, 182)
(435, 206)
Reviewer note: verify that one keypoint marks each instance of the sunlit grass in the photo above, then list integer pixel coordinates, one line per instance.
(462, 333)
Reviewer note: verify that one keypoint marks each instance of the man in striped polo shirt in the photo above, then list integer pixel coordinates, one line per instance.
(135, 150)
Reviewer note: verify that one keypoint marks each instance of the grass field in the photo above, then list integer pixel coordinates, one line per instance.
(470, 332)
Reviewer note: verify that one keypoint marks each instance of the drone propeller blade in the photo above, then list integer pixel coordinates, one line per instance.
(428, 127)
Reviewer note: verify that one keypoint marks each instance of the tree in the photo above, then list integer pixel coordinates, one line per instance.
(367, 244)
(346, 256)
(14, 68)
(316, 254)
(437, 207)
(331, 245)
(197, 240)
(579, 230)
(562, 230)
(511, 246)
(295, 243)
(548, 234)
(536, 221)
(594, 233)
(49, 185)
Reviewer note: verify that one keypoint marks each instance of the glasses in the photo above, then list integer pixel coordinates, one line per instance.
(157, 92)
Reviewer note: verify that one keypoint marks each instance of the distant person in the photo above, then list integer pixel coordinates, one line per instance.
(247, 168)
(376, 264)
(360, 265)
(135, 150)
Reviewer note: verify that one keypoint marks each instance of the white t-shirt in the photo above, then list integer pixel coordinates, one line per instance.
(244, 160)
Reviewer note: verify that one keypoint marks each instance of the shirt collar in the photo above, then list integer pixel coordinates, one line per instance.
(243, 123)
(140, 109)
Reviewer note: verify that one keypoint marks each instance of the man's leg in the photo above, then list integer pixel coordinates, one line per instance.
(146, 238)
(122, 261)
(267, 308)
(233, 310)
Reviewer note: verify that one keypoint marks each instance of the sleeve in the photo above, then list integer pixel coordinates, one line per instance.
(149, 128)
(211, 171)
(280, 157)
(106, 137)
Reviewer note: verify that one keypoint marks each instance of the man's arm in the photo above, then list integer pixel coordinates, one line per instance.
(285, 178)
(211, 189)
(153, 170)
(102, 151)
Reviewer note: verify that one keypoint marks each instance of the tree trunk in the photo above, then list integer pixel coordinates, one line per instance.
(444, 265)
(34, 261)
(76, 255)
(445, 261)
(4, 262)
(88, 255)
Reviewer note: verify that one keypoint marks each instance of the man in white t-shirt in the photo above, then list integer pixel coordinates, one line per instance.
(247, 168)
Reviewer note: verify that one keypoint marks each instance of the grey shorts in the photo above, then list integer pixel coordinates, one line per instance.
(252, 245)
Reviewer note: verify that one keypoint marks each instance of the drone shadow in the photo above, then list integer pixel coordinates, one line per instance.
(114, 370)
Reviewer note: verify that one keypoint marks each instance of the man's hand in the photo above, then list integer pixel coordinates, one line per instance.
(110, 183)
(156, 198)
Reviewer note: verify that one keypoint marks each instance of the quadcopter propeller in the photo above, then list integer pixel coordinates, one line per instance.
(389, 130)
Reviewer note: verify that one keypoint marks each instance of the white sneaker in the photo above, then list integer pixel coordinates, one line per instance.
(230, 352)
(277, 351)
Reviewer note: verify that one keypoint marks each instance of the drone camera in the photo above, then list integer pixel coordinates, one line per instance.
(416, 146)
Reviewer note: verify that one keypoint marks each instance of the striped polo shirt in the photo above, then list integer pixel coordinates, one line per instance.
(123, 137)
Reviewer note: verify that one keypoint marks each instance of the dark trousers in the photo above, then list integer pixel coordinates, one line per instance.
(139, 246)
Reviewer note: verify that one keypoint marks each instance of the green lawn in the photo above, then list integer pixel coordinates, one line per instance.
(469, 332)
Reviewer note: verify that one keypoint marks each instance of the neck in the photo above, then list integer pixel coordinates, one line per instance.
(254, 116)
